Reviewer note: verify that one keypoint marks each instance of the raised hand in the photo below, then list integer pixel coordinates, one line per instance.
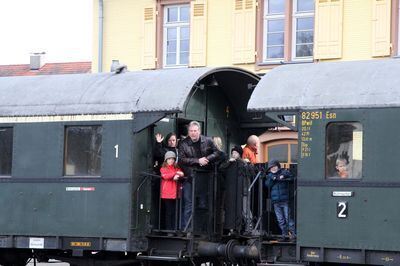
(159, 138)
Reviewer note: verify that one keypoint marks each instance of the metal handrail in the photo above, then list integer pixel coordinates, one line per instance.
(177, 206)
(248, 212)
(146, 175)
(254, 181)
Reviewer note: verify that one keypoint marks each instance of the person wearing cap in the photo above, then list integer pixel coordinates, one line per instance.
(278, 182)
(236, 156)
(170, 175)
(243, 173)
(236, 153)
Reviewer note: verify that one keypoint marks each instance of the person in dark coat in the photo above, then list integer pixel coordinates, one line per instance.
(195, 151)
(278, 182)
(221, 154)
(161, 147)
(236, 184)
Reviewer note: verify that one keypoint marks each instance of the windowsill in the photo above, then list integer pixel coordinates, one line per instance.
(270, 64)
(178, 66)
(298, 61)
(302, 60)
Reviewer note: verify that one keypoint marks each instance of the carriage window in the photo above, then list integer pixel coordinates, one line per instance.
(344, 150)
(278, 152)
(83, 150)
(6, 145)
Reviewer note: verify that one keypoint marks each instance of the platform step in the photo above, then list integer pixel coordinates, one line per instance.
(274, 241)
(160, 258)
(280, 264)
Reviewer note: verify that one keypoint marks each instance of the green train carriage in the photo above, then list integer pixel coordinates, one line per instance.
(76, 161)
(76, 164)
(344, 111)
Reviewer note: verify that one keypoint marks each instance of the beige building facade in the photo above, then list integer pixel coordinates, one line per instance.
(253, 34)
(256, 35)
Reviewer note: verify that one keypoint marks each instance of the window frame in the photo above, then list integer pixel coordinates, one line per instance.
(396, 34)
(270, 17)
(177, 25)
(337, 178)
(289, 35)
(296, 15)
(288, 143)
(66, 150)
(12, 149)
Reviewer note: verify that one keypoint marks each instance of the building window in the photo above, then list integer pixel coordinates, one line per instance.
(398, 28)
(83, 150)
(303, 29)
(6, 147)
(285, 151)
(176, 35)
(288, 25)
(274, 29)
(344, 150)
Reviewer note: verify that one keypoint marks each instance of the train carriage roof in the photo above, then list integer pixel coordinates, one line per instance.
(104, 93)
(352, 84)
(140, 92)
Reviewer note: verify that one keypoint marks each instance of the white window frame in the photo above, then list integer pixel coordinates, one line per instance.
(295, 16)
(268, 17)
(178, 25)
(398, 30)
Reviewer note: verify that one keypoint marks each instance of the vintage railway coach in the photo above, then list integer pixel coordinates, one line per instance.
(76, 153)
(76, 165)
(348, 181)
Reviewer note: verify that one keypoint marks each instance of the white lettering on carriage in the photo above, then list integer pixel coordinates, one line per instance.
(36, 242)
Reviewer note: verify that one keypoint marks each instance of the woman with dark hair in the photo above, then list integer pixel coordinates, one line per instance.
(162, 147)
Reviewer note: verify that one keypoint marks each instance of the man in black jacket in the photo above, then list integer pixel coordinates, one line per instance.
(195, 152)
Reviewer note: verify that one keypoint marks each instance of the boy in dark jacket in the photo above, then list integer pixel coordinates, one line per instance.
(278, 181)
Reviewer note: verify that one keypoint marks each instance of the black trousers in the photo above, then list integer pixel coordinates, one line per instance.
(169, 206)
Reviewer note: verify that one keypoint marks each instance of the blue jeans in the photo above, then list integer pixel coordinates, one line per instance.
(186, 204)
(285, 221)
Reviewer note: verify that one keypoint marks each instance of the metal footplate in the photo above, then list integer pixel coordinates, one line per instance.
(280, 264)
(160, 258)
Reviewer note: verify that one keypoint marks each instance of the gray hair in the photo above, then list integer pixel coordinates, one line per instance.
(341, 160)
(253, 139)
(195, 123)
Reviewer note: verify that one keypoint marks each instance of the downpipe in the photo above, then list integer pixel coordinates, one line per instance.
(100, 41)
(231, 250)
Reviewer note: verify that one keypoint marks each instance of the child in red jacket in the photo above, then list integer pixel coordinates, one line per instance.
(170, 174)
